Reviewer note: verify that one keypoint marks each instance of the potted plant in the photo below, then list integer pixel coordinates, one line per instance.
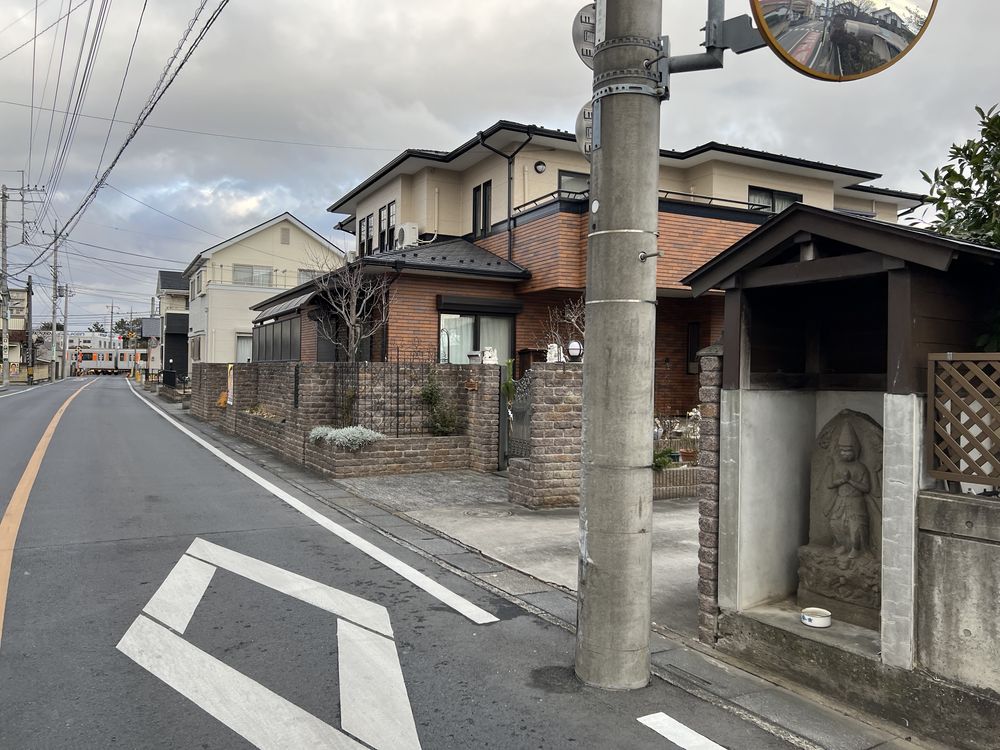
(690, 433)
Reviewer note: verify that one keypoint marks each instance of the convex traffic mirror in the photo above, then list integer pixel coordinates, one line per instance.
(842, 41)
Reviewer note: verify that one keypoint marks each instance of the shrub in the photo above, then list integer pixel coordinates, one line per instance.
(348, 438)
(442, 417)
(662, 459)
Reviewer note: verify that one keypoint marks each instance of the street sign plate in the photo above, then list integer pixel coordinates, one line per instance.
(840, 41)
(585, 33)
(585, 129)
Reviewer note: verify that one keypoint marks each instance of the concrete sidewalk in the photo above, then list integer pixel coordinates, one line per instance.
(462, 521)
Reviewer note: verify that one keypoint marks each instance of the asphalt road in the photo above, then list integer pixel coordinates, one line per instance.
(128, 512)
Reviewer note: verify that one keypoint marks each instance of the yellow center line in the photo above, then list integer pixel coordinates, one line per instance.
(11, 521)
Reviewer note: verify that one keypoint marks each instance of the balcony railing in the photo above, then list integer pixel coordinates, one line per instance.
(963, 417)
(707, 200)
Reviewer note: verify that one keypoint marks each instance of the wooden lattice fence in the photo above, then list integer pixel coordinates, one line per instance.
(963, 417)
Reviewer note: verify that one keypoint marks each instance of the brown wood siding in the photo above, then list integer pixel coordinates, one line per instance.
(947, 313)
(413, 316)
(688, 242)
(308, 337)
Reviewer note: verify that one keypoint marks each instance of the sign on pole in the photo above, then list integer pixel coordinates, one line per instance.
(835, 41)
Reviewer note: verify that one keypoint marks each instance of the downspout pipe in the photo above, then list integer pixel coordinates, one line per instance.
(510, 185)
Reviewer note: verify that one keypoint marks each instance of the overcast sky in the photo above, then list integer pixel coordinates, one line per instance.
(364, 80)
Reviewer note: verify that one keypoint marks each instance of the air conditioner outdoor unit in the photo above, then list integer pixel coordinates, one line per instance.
(407, 235)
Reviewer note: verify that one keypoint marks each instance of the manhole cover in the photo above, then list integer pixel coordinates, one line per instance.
(488, 513)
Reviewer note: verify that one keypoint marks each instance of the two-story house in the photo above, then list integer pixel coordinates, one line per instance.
(17, 336)
(172, 299)
(227, 279)
(484, 241)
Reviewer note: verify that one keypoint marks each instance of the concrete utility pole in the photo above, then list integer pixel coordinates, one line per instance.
(29, 358)
(4, 289)
(612, 637)
(632, 68)
(55, 307)
(65, 357)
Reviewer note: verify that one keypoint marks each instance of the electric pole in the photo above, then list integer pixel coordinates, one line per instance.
(612, 637)
(29, 359)
(4, 289)
(55, 306)
(632, 67)
(65, 357)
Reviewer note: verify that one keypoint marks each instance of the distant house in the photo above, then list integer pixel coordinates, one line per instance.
(890, 18)
(227, 279)
(471, 269)
(17, 338)
(172, 297)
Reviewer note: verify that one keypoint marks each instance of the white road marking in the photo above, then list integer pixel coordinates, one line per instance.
(459, 604)
(363, 612)
(175, 601)
(370, 675)
(257, 714)
(679, 734)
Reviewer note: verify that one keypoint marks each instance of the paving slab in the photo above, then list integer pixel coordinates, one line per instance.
(825, 727)
(555, 603)
(714, 676)
(436, 546)
(513, 582)
(471, 563)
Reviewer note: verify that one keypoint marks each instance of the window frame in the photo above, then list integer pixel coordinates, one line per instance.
(570, 173)
(482, 209)
(477, 328)
(774, 195)
(383, 219)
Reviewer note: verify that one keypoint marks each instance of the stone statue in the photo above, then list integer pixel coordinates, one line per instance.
(850, 484)
(840, 568)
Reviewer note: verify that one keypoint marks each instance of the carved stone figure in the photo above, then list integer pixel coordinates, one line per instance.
(840, 568)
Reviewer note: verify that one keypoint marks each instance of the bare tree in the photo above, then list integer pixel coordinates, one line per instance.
(914, 18)
(565, 322)
(865, 7)
(354, 306)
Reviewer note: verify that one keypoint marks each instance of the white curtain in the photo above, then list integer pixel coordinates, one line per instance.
(496, 332)
(457, 338)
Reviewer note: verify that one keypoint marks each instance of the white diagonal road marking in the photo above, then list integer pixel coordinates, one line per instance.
(175, 601)
(370, 675)
(257, 714)
(678, 733)
(340, 603)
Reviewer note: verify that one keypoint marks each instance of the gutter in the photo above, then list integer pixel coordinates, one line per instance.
(510, 184)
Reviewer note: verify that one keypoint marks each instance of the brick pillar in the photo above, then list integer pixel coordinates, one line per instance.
(710, 361)
(482, 395)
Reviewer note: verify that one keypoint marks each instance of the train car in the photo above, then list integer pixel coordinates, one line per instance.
(111, 361)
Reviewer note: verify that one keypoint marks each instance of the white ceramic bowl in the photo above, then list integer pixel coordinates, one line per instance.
(815, 617)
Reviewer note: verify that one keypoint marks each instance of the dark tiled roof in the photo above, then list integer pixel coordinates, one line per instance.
(452, 256)
(173, 280)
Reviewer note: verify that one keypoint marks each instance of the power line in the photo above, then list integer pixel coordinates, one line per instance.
(24, 15)
(143, 115)
(210, 134)
(126, 252)
(162, 213)
(42, 32)
(128, 65)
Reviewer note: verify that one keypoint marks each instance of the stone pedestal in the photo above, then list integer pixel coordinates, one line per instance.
(849, 587)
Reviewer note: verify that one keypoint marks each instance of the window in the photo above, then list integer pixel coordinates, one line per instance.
(244, 348)
(463, 333)
(286, 236)
(308, 274)
(195, 349)
(482, 197)
(775, 201)
(387, 227)
(573, 182)
(252, 275)
(383, 218)
(391, 229)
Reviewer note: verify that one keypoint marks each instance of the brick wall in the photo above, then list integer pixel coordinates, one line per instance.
(708, 493)
(675, 390)
(550, 476)
(285, 423)
(390, 456)
(208, 381)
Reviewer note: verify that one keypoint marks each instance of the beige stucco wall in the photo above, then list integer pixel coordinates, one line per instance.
(437, 191)
(223, 308)
(173, 302)
(399, 190)
(732, 181)
(491, 168)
